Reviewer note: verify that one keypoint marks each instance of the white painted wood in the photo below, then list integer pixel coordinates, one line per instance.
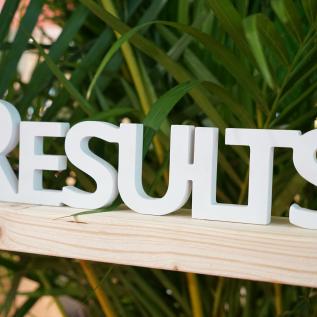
(279, 252)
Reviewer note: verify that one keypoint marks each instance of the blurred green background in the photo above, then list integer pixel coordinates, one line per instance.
(220, 63)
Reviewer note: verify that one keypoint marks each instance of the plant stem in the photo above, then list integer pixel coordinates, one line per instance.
(217, 298)
(194, 295)
(100, 294)
(278, 299)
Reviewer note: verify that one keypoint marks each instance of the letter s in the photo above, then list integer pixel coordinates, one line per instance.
(304, 158)
(105, 176)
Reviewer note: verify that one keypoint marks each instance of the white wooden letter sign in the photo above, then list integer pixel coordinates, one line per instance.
(193, 168)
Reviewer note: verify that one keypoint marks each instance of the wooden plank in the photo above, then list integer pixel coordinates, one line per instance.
(279, 252)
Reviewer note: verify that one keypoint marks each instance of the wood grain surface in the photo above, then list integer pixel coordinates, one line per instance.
(279, 252)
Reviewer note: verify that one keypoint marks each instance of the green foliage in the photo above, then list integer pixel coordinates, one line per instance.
(249, 64)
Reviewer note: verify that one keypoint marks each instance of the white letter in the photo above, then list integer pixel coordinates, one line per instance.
(130, 170)
(262, 143)
(105, 176)
(9, 137)
(33, 162)
(304, 158)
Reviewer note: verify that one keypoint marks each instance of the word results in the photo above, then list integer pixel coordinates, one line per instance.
(193, 168)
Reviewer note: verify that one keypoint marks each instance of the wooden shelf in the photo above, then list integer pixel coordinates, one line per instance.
(279, 252)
